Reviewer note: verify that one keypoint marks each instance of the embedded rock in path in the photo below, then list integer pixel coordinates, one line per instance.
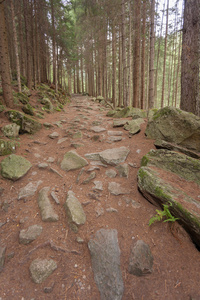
(112, 139)
(133, 126)
(46, 209)
(175, 126)
(98, 129)
(74, 211)
(116, 189)
(119, 123)
(115, 133)
(98, 185)
(141, 259)
(114, 156)
(29, 190)
(123, 170)
(73, 161)
(2, 257)
(27, 124)
(40, 269)
(14, 167)
(105, 256)
(26, 236)
(93, 156)
(111, 173)
(54, 135)
(90, 177)
(7, 147)
(11, 130)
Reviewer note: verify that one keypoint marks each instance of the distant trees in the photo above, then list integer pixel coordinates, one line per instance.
(108, 48)
(190, 93)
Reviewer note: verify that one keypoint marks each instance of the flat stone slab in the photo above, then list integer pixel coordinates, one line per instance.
(115, 133)
(14, 167)
(2, 257)
(54, 135)
(114, 156)
(73, 161)
(41, 269)
(29, 190)
(26, 236)
(123, 170)
(46, 208)
(116, 189)
(115, 138)
(74, 210)
(105, 256)
(119, 123)
(97, 129)
(141, 259)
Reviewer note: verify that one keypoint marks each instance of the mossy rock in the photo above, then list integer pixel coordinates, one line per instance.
(73, 161)
(159, 191)
(175, 126)
(27, 124)
(7, 147)
(180, 164)
(47, 104)
(14, 167)
(127, 112)
(2, 108)
(28, 109)
(21, 97)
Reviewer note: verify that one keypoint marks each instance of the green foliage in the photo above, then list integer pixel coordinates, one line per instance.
(165, 213)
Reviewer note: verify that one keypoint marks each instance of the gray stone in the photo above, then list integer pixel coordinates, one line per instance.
(90, 178)
(27, 124)
(111, 173)
(119, 123)
(92, 156)
(60, 141)
(115, 133)
(55, 198)
(7, 147)
(54, 135)
(175, 126)
(29, 190)
(98, 185)
(11, 130)
(43, 166)
(128, 112)
(14, 167)
(98, 129)
(99, 210)
(50, 159)
(2, 257)
(74, 210)
(73, 161)
(105, 256)
(123, 170)
(41, 269)
(116, 189)
(48, 125)
(77, 135)
(133, 126)
(26, 236)
(46, 209)
(141, 259)
(114, 156)
(114, 139)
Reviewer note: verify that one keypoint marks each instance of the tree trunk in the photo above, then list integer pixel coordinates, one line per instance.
(142, 105)
(165, 56)
(190, 99)
(151, 59)
(113, 64)
(27, 19)
(124, 55)
(136, 97)
(4, 60)
(15, 46)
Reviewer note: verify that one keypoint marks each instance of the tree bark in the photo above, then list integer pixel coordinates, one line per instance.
(4, 60)
(190, 98)
(151, 59)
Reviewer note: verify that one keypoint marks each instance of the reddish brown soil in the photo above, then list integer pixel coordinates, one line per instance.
(176, 269)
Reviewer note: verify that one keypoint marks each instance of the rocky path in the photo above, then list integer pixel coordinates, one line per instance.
(73, 226)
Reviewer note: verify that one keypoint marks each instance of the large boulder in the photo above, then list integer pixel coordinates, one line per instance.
(11, 130)
(27, 124)
(176, 126)
(14, 167)
(166, 177)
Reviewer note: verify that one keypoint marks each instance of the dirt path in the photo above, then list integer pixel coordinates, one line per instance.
(176, 260)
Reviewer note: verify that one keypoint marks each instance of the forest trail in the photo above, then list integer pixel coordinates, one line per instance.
(83, 126)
